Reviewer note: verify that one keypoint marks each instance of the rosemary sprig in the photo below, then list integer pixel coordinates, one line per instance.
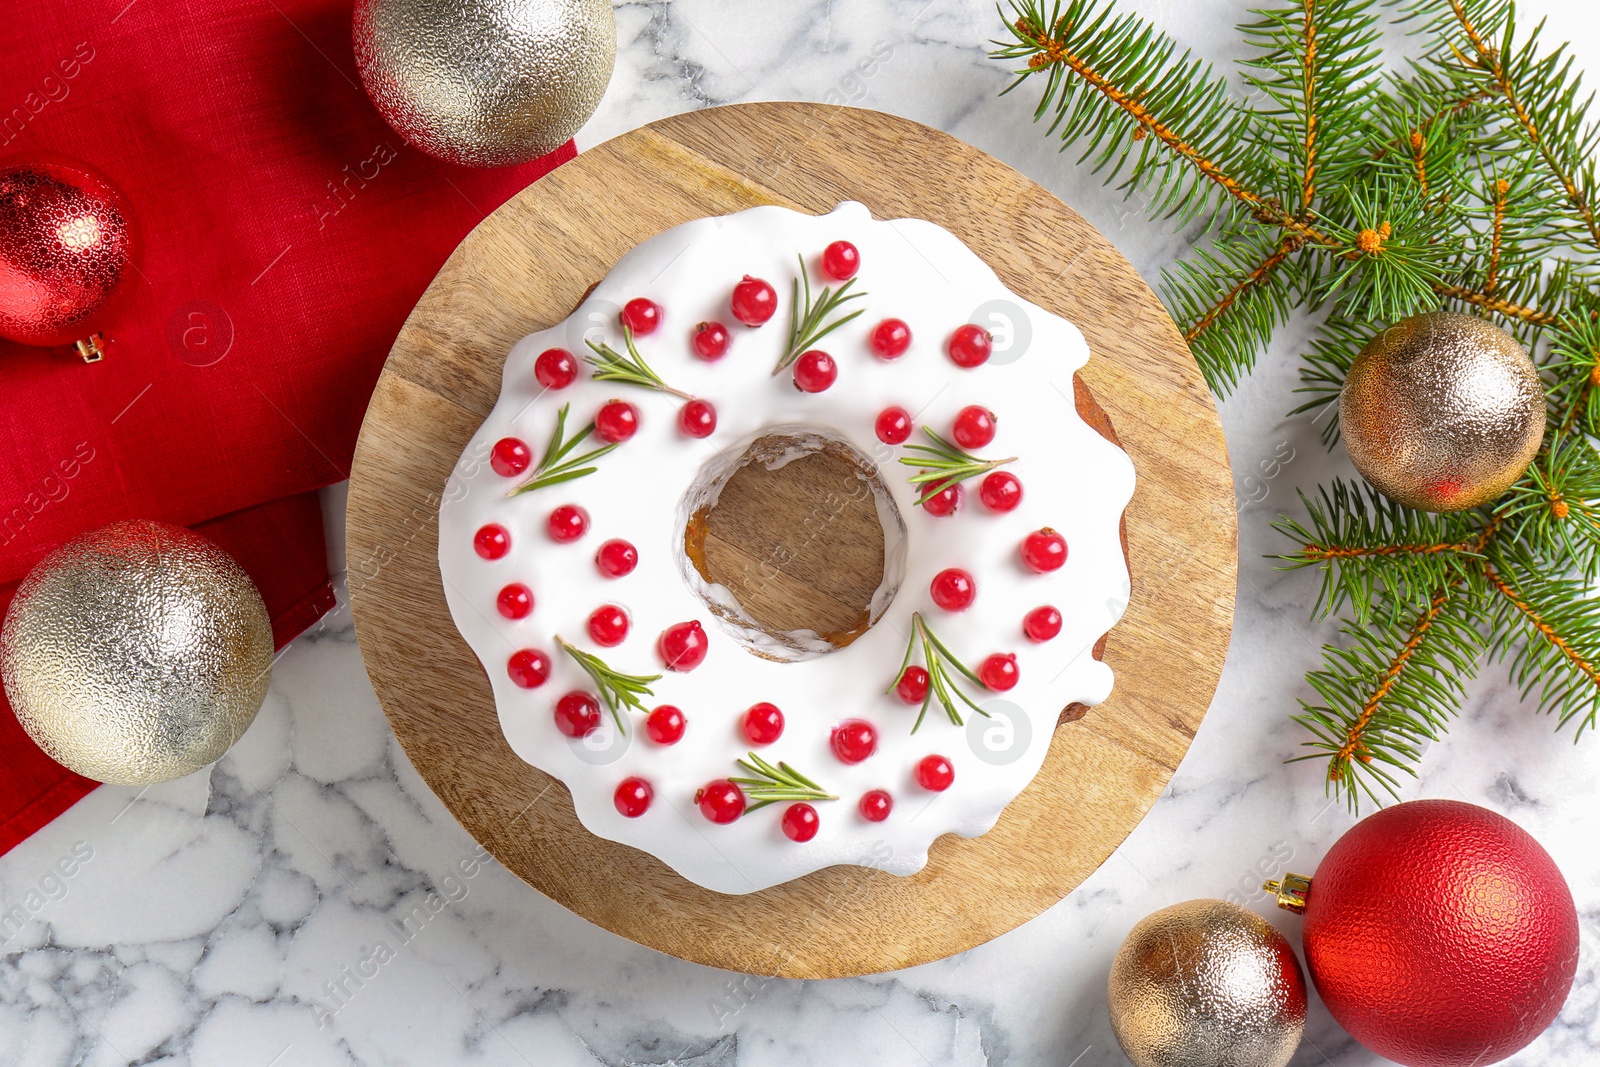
(617, 690)
(555, 468)
(808, 321)
(944, 464)
(938, 660)
(776, 785)
(612, 366)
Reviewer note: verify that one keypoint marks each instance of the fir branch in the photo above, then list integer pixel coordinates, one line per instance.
(813, 318)
(617, 690)
(1373, 551)
(938, 661)
(612, 366)
(1539, 93)
(1490, 302)
(1553, 623)
(1554, 510)
(776, 785)
(942, 465)
(1390, 691)
(1227, 331)
(1128, 88)
(555, 468)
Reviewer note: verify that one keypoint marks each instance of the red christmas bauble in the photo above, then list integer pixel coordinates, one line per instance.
(1440, 934)
(67, 241)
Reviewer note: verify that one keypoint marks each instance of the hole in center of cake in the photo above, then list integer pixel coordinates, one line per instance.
(793, 542)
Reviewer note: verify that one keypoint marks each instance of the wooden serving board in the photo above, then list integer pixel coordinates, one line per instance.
(525, 268)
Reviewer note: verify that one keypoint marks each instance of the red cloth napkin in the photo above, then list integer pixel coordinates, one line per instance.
(287, 233)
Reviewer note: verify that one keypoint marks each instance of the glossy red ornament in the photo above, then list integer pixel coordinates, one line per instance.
(1440, 934)
(67, 242)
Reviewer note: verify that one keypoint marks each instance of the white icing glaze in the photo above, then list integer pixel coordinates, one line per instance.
(1073, 479)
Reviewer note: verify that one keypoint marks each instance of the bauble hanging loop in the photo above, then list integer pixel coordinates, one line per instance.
(1442, 411)
(485, 83)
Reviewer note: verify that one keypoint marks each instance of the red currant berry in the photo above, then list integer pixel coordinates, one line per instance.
(1000, 491)
(577, 714)
(754, 301)
(697, 418)
(641, 316)
(890, 339)
(912, 686)
(665, 725)
(800, 822)
(945, 502)
(854, 740)
(762, 724)
(492, 541)
(709, 341)
(974, 426)
(840, 261)
(720, 801)
(509, 457)
(875, 805)
(555, 368)
(969, 346)
(1041, 624)
(515, 601)
(567, 523)
(934, 773)
(608, 625)
(999, 672)
(683, 646)
(894, 426)
(1044, 550)
(814, 371)
(633, 797)
(616, 421)
(528, 668)
(616, 558)
(953, 589)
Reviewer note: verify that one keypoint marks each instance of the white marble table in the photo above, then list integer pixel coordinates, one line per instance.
(309, 902)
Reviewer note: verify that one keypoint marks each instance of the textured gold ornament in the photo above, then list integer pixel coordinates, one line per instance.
(137, 653)
(485, 83)
(1443, 411)
(1207, 984)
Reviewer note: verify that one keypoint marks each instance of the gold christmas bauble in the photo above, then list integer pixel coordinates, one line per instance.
(1207, 984)
(1442, 411)
(485, 83)
(137, 653)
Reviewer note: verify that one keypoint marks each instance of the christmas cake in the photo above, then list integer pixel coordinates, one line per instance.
(573, 544)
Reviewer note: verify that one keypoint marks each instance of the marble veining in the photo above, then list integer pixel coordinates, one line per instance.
(309, 902)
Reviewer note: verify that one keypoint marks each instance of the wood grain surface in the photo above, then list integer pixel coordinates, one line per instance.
(526, 266)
